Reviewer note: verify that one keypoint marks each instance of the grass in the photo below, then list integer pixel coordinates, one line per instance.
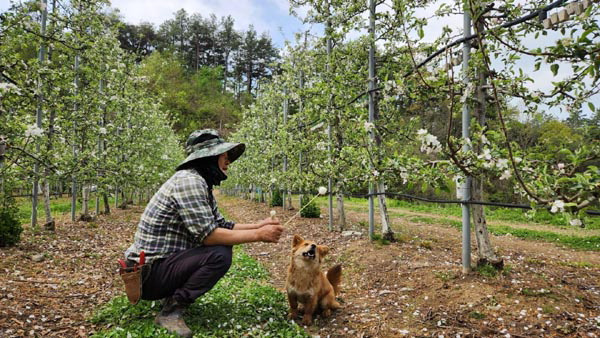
(476, 315)
(540, 217)
(57, 206)
(582, 265)
(576, 242)
(445, 276)
(486, 270)
(241, 304)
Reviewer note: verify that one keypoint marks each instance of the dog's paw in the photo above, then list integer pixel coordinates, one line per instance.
(307, 320)
(293, 314)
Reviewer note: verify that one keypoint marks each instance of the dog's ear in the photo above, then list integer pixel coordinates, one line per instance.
(323, 250)
(297, 240)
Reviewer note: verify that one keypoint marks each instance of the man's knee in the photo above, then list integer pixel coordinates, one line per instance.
(222, 257)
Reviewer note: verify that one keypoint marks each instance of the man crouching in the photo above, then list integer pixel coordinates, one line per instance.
(186, 242)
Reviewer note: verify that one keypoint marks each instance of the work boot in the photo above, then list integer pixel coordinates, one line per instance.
(171, 318)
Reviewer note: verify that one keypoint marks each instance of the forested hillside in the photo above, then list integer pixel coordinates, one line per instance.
(206, 69)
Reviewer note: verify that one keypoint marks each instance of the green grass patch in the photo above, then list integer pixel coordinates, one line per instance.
(377, 239)
(486, 270)
(445, 276)
(58, 206)
(579, 264)
(476, 315)
(426, 244)
(535, 293)
(575, 242)
(241, 304)
(540, 217)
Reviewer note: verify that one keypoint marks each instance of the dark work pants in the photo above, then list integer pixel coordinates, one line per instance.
(188, 274)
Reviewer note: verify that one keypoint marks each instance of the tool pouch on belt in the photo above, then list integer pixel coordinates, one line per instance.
(133, 284)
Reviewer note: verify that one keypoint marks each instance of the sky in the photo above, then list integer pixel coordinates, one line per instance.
(273, 17)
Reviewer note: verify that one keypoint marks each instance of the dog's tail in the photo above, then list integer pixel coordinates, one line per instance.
(334, 275)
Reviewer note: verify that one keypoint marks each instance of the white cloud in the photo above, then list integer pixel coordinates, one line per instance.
(265, 15)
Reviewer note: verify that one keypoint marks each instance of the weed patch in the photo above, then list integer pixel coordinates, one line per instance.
(445, 276)
(486, 270)
(476, 315)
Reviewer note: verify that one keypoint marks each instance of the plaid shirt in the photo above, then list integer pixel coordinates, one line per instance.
(178, 217)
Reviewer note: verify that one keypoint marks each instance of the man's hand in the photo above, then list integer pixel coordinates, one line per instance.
(267, 221)
(270, 232)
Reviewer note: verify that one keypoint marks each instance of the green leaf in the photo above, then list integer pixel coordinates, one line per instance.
(592, 107)
(554, 69)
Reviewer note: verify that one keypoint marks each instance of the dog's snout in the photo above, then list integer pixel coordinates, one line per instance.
(313, 246)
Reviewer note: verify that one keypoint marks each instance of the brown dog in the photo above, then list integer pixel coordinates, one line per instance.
(307, 284)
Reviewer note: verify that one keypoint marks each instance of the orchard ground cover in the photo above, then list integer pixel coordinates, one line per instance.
(412, 287)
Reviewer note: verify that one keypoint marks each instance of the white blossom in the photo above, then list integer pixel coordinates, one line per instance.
(506, 174)
(375, 173)
(273, 180)
(429, 143)
(33, 131)
(486, 155)
(369, 126)
(566, 42)
(322, 190)
(557, 205)
(502, 163)
(102, 131)
(403, 175)
(5, 86)
(484, 140)
(575, 222)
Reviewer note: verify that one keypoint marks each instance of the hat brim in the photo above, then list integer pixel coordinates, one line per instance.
(233, 150)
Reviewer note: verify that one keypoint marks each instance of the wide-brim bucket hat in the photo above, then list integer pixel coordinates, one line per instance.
(207, 143)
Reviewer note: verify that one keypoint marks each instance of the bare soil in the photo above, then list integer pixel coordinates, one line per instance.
(413, 287)
(56, 296)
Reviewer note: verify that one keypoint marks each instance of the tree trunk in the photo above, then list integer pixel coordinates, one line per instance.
(106, 204)
(225, 72)
(288, 197)
(386, 229)
(249, 79)
(341, 221)
(486, 252)
(50, 224)
(85, 210)
(197, 54)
